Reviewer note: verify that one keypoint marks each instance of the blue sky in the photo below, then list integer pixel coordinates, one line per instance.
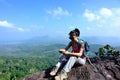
(25, 19)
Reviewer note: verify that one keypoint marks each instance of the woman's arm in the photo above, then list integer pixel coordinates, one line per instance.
(82, 48)
(68, 46)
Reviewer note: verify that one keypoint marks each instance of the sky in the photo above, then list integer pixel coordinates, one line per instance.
(25, 19)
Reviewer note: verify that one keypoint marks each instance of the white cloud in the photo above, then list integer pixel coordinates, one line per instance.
(9, 25)
(105, 12)
(107, 23)
(90, 16)
(114, 18)
(58, 12)
(6, 24)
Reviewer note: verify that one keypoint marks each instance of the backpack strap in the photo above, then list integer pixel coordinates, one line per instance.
(79, 40)
(79, 44)
(86, 53)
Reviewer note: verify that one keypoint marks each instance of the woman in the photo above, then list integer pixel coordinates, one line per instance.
(76, 56)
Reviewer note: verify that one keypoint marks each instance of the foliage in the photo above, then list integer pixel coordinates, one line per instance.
(16, 67)
(26, 60)
(107, 50)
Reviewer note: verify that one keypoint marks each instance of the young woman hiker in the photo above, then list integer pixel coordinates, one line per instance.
(75, 56)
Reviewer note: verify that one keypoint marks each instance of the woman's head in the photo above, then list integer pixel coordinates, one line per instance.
(74, 34)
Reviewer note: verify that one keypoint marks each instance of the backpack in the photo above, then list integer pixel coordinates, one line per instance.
(87, 47)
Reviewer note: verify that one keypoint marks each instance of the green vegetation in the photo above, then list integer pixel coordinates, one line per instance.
(17, 61)
(20, 60)
(108, 51)
(13, 68)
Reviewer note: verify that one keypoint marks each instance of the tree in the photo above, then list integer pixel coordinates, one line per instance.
(107, 50)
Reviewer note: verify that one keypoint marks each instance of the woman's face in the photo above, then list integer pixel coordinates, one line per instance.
(73, 36)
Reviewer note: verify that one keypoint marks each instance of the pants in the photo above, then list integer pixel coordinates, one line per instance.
(71, 60)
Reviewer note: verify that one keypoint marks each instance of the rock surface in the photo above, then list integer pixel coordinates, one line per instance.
(103, 69)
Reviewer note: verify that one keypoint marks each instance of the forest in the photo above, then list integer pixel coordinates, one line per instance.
(17, 61)
(20, 60)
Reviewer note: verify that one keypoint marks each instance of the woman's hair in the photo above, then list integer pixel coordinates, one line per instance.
(76, 31)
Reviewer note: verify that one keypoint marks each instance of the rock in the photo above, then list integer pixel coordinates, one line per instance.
(102, 70)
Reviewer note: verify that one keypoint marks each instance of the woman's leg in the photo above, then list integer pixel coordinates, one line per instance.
(81, 61)
(63, 74)
(70, 64)
(59, 63)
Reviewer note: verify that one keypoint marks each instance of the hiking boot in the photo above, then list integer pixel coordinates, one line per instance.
(54, 71)
(61, 76)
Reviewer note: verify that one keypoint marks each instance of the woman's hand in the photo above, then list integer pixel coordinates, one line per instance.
(66, 52)
(63, 51)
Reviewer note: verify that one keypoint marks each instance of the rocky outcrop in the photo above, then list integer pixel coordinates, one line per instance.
(102, 69)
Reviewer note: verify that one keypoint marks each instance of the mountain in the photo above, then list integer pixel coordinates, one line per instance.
(103, 69)
(43, 56)
(45, 40)
(38, 45)
(113, 41)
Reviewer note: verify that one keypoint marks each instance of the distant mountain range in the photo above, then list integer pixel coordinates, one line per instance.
(113, 41)
(45, 40)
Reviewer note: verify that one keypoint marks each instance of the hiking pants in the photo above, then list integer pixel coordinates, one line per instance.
(72, 60)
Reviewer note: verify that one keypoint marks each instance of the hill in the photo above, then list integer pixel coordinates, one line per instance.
(35, 48)
(28, 49)
(105, 69)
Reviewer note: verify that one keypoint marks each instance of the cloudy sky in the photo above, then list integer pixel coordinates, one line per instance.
(25, 19)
